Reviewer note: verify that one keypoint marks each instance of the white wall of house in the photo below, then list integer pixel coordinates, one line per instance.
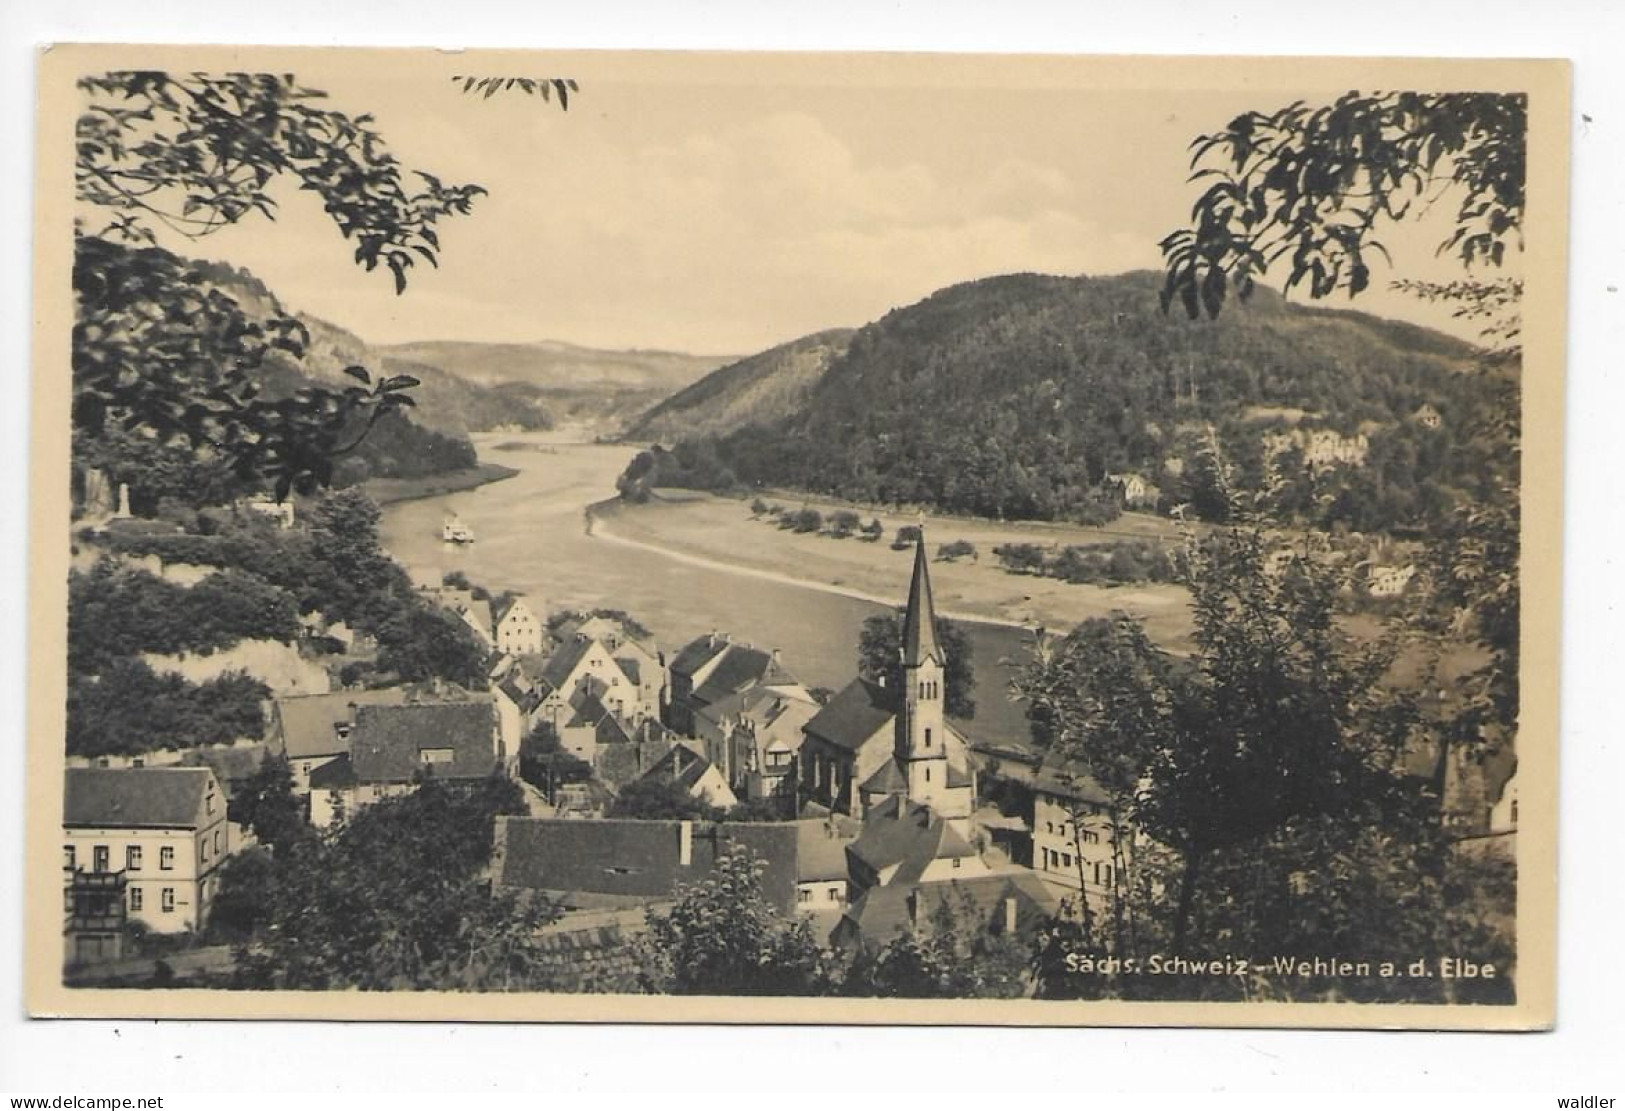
(170, 873)
(1057, 846)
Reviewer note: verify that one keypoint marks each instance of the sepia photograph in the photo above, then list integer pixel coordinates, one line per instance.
(840, 538)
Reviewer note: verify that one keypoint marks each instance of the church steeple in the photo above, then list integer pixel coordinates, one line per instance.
(920, 621)
(921, 745)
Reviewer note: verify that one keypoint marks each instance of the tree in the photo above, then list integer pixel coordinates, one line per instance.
(158, 344)
(722, 937)
(843, 523)
(880, 655)
(954, 954)
(266, 804)
(656, 798)
(395, 899)
(959, 549)
(1313, 186)
(424, 643)
(544, 763)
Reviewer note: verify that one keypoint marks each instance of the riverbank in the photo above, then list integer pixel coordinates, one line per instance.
(387, 491)
(702, 530)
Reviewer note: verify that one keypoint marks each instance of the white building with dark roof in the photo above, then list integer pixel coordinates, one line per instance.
(157, 836)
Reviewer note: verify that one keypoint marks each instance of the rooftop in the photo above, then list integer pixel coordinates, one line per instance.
(147, 798)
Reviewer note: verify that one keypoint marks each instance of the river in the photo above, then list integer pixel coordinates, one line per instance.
(532, 539)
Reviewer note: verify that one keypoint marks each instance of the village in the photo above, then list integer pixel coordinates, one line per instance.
(867, 809)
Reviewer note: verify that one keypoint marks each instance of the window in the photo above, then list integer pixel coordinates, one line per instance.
(1049, 827)
(928, 775)
(70, 858)
(208, 802)
(1090, 837)
(135, 898)
(203, 847)
(804, 896)
(166, 858)
(132, 857)
(166, 899)
(928, 738)
(835, 894)
(436, 755)
(1066, 860)
(304, 769)
(99, 857)
(956, 862)
(217, 842)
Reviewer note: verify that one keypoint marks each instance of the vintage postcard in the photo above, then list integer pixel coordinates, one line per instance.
(796, 538)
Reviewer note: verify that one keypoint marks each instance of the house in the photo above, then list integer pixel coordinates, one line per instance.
(618, 763)
(1136, 492)
(764, 738)
(1008, 902)
(1072, 846)
(632, 862)
(518, 632)
(1428, 417)
(279, 511)
(1389, 582)
(871, 743)
(393, 748)
(621, 684)
(694, 774)
(821, 868)
(711, 669)
(908, 843)
(163, 830)
(312, 730)
(474, 612)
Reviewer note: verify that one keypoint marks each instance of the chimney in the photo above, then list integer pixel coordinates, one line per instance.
(777, 657)
(913, 903)
(685, 844)
(1009, 914)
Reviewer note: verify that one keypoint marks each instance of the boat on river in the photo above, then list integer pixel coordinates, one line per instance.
(455, 532)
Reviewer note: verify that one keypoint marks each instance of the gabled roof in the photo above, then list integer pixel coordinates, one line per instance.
(145, 798)
(882, 913)
(697, 653)
(589, 711)
(388, 741)
(230, 763)
(821, 849)
(741, 667)
(861, 710)
(887, 780)
(908, 835)
(335, 775)
(631, 668)
(682, 765)
(1069, 783)
(636, 858)
(309, 724)
(562, 663)
(512, 605)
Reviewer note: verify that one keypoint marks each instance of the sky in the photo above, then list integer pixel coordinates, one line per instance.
(697, 207)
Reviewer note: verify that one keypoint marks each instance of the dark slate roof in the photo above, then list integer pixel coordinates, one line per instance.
(588, 711)
(613, 731)
(882, 913)
(1070, 783)
(385, 746)
(148, 798)
(627, 857)
(909, 835)
(888, 780)
(556, 671)
(697, 653)
(853, 716)
(681, 764)
(309, 723)
(335, 775)
(631, 669)
(742, 667)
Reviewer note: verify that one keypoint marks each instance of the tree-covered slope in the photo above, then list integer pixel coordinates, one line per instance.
(761, 389)
(1017, 396)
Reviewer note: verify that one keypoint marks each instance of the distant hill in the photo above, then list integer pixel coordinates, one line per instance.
(552, 365)
(1018, 396)
(761, 389)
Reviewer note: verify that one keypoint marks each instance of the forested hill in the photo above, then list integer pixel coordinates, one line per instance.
(761, 389)
(1017, 396)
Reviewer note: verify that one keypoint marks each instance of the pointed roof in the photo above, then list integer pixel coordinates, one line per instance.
(920, 623)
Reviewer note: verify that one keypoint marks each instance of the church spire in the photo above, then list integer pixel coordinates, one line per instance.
(920, 622)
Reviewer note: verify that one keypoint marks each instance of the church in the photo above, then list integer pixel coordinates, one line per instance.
(873, 743)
